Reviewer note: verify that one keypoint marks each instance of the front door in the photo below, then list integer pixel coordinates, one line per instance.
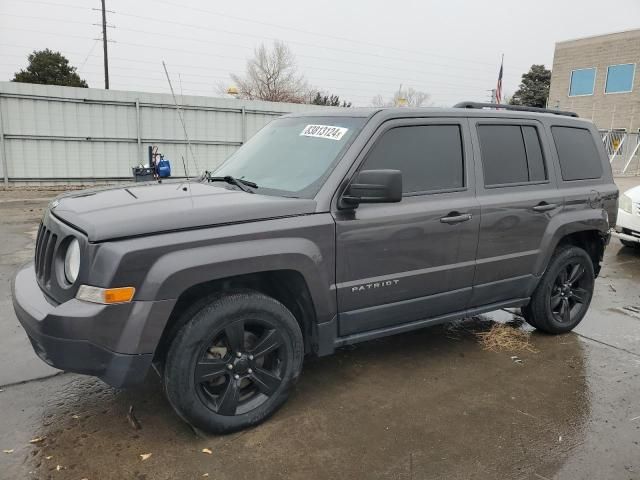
(412, 260)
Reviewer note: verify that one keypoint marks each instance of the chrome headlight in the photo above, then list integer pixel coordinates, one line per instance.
(72, 261)
(625, 203)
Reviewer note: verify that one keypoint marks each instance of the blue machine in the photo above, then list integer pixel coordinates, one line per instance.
(163, 168)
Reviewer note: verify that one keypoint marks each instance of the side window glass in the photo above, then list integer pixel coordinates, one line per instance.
(430, 157)
(577, 153)
(535, 160)
(511, 154)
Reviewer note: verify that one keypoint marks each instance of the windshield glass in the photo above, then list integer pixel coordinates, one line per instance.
(292, 156)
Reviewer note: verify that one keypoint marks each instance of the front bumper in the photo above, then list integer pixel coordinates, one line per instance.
(112, 342)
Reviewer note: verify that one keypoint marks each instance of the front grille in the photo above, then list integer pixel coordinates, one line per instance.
(45, 247)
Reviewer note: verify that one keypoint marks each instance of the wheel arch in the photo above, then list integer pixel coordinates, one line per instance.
(588, 230)
(289, 287)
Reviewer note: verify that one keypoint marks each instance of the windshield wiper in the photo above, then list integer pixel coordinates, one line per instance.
(238, 182)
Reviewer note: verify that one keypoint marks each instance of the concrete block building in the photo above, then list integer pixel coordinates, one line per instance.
(597, 77)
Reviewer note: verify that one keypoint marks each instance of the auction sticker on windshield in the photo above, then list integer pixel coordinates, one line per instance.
(324, 131)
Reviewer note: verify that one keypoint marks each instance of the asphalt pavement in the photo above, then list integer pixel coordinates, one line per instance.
(427, 404)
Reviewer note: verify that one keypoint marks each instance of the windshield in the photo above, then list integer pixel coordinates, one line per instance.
(292, 156)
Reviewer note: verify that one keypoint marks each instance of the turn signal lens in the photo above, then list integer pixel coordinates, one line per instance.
(105, 296)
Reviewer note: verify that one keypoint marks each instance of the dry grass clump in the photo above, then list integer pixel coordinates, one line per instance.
(503, 337)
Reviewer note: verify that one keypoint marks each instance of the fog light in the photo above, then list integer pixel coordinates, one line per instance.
(105, 296)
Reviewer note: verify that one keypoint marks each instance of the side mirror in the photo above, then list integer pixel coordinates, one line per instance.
(374, 186)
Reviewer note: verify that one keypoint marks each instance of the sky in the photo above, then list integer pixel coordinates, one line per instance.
(356, 49)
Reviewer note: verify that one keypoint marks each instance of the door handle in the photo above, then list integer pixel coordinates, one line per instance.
(545, 207)
(455, 217)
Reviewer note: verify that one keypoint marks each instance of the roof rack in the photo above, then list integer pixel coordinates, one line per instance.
(517, 108)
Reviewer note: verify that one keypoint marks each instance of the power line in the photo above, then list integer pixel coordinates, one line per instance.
(201, 53)
(476, 78)
(350, 96)
(404, 76)
(209, 29)
(363, 93)
(421, 53)
(320, 34)
(192, 82)
(63, 5)
(88, 55)
(342, 71)
(390, 78)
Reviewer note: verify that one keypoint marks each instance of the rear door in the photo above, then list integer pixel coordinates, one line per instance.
(518, 196)
(406, 261)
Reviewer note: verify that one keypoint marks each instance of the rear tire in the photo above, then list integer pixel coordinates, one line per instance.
(233, 362)
(564, 293)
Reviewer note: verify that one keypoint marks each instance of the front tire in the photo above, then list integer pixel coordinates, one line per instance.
(564, 293)
(233, 362)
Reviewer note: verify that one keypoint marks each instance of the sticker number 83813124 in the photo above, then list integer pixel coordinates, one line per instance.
(324, 131)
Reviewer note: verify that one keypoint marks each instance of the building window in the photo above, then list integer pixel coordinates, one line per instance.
(582, 82)
(620, 78)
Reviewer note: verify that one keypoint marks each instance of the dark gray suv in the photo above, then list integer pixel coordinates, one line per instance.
(322, 231)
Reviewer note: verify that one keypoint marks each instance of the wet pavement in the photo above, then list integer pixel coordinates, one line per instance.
(428, 404)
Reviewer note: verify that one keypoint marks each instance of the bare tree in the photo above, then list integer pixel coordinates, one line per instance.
(408, 97)
(379, 102)
(272, 75)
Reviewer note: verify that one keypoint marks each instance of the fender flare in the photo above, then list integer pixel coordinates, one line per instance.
(175, 272)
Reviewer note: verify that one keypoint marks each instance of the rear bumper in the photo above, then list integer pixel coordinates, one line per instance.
(75, 336)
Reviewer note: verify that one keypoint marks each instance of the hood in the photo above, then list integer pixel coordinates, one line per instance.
(147, 208)
(633, 193)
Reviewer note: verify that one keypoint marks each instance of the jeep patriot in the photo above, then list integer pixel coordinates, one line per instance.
(323, 230)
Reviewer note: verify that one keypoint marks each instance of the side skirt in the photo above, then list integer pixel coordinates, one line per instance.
(328, 339)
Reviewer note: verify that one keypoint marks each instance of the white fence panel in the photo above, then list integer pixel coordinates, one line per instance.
(50, 133)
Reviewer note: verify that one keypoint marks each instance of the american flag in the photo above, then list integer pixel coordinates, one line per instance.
(499, 86)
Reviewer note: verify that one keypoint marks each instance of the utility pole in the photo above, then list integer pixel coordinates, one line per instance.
(104, 46)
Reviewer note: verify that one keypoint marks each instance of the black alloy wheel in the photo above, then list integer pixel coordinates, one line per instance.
(569, 292)
(241, 368)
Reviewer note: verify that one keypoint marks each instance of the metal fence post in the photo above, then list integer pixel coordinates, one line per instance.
(244, 125)
(3, 151)
(139, 133)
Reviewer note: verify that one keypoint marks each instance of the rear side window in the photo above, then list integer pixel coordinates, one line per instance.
(429, 157)
(577, 152)
(511, 154)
